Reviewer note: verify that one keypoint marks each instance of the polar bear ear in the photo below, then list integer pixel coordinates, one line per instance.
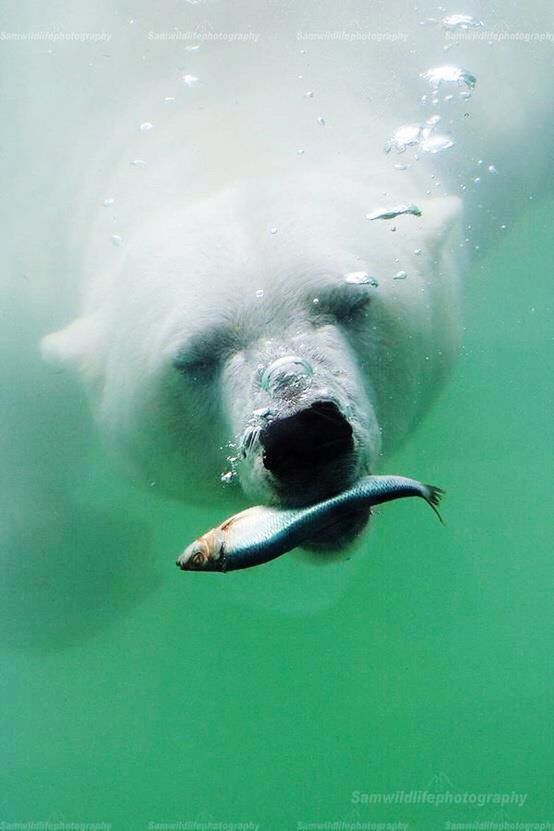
(74, 347)
(440, 217)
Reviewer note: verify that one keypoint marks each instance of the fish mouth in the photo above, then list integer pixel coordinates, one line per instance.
(340, 532)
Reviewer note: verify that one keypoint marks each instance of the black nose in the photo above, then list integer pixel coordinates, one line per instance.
(314, 439)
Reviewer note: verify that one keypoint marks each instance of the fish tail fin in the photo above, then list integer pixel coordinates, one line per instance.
(433, 496)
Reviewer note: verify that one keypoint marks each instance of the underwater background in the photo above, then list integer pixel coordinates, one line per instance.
(141, 697)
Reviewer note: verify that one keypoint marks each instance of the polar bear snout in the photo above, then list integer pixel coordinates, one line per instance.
(309, 453)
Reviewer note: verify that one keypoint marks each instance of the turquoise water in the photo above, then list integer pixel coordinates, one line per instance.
(135, 694)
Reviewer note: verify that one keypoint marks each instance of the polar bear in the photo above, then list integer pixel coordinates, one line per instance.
(174, 347)
(197, 251)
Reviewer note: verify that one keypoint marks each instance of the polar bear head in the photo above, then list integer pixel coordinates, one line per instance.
(270, 332)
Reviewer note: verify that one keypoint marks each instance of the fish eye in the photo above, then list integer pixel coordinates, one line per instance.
(198, 559)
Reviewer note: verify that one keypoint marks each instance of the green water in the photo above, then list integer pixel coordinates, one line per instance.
(135, 694)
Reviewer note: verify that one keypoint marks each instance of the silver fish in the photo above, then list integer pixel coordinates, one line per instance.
(260, 534)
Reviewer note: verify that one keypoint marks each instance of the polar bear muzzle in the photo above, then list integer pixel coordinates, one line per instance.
(314, 445)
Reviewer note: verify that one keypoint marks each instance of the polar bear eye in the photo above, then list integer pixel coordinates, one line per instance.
(195, 368)
(203, 354)
(344, 303)
(196, 361)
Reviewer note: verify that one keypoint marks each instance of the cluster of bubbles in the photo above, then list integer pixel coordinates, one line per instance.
(455, 81)
(232, 459)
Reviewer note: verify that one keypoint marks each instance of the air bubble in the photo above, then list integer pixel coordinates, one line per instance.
(460, 21)
(436, 143)
(449, 74)
(287, 376)
(360, 278)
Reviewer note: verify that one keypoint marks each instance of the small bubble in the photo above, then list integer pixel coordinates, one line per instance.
(116, 240)
(315, 301)
(227, 478)
(260, 293)
(477, 180)
(191, 80)
(146, 126)
(273, 230)
(400, 275)
(309, 94)
(109, 201)
(492, 169)
(138, 162)
(300, 152)
(417, 252)
(169, 99)
(321, 120)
